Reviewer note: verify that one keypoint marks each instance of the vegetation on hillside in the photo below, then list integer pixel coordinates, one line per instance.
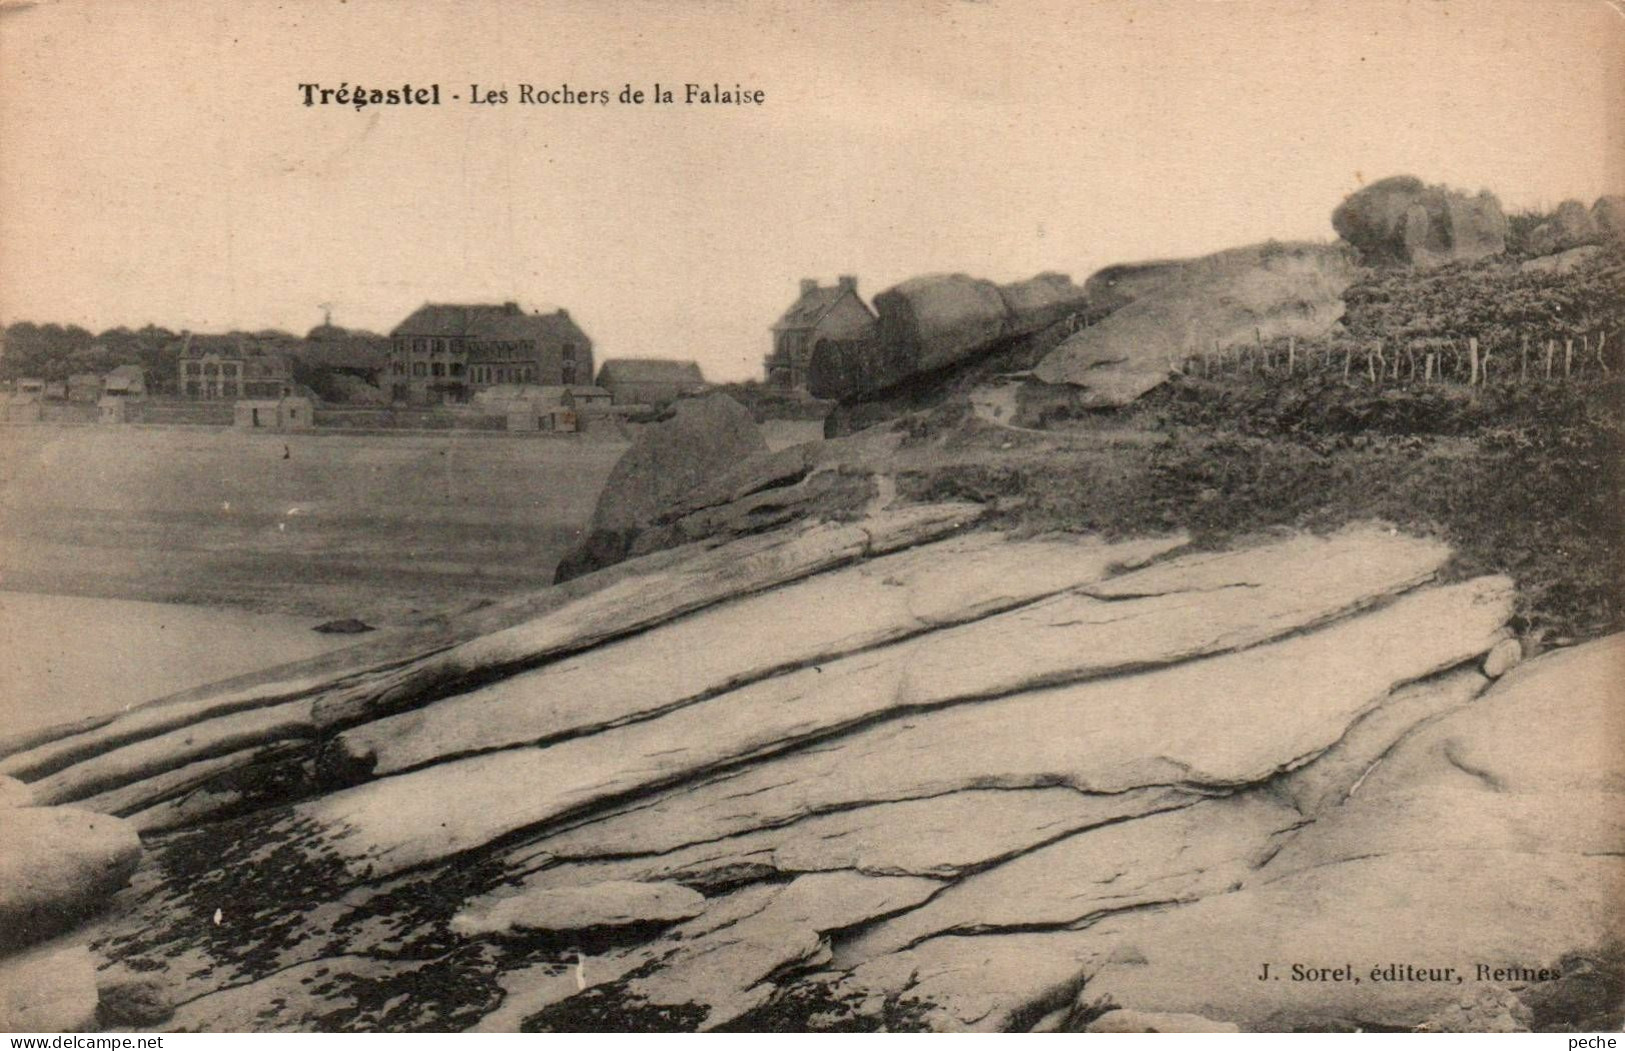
(54, 352)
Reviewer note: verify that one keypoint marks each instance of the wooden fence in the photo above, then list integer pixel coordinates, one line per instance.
(1462, 362)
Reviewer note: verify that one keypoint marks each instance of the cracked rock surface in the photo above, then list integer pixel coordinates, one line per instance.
(896, 773)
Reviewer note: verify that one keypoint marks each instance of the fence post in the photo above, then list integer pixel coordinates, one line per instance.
(1602, 338)
(1428, 365)
(1292, 354)
(1370, 369)
(1484, 373)
(1523, 359)
(1551, 348)
(1568, 356)
(1472, 360)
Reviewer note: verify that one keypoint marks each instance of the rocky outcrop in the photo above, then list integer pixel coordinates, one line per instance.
(1563, 262)
(932, 322)
(1489, 837)
(892, 772)
(875, 602)
(58, 866)
(1401, 220)
(700, 439)
(1234, 298)
(1570, 226)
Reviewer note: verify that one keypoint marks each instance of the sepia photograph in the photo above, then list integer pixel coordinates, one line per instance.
(811, 516)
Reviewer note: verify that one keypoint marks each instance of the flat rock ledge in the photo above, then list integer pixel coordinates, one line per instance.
(896, 773)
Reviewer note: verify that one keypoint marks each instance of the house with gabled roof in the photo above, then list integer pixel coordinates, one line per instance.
(820, 312)
(234, 365)
(445, 352)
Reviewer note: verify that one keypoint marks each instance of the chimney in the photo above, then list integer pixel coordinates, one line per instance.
(510, 307)
(809, 285)
(847, 282)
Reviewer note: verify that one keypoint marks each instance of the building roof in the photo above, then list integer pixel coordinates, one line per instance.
(125, 377)
(231, 345)
(649, 370)
(495, 322)
(582, 391)
(84, 377)
(814, 303)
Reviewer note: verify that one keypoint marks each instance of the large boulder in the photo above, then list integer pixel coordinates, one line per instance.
(1608, 216)
(937, 318)
(1570, 226)
(1230, 299)
(58, 865)
(670, 458)
(51, 989)
(935, 321)
(1403, 220)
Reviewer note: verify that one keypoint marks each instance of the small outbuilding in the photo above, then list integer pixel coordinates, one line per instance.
(281, 414)
(126, 381)
(649, 381)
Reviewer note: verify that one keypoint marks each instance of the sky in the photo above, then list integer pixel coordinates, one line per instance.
(157, 165)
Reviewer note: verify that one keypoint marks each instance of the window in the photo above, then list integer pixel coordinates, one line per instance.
(568, 377)
(418, 369)
(228, 389)
(439, 346)
(420, 345)
(438, 368)
(456, 368)
(193, 389)
(211, 369)
(194, 368)
(569, 352)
